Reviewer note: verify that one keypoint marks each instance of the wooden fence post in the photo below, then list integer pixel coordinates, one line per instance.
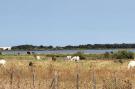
(54, 83)
(77, 81)
(56, 80)
(33, 76)
(93, 80)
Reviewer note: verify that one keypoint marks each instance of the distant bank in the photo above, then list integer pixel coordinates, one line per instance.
(78, 47)
(70, 47)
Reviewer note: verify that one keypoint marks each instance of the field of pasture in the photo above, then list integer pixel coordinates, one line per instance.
(64, 74)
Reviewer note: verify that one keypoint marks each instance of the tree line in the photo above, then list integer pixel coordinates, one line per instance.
(70, 47)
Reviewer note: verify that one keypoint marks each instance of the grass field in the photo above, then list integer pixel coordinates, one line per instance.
(64, 74)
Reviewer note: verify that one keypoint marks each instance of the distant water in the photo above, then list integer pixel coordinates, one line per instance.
(64, 51)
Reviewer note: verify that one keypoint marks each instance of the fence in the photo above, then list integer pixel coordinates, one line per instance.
(55, 79)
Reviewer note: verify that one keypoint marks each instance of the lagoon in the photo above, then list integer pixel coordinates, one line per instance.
(89, 51)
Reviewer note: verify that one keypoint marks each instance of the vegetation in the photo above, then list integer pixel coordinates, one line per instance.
(92, 74)
(81, 55)
(107, 55)
(31, 47)
(24, 71)
(0, 53)
(69, 47)
(121, 54)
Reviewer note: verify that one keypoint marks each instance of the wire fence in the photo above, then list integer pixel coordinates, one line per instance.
(56, 83)
(14, 79)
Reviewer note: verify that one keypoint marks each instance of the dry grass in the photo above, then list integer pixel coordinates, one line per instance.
(92, 74)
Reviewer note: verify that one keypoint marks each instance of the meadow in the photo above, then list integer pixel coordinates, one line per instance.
(64, 74)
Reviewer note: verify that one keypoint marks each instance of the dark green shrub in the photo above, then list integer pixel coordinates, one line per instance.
(123, 55)
(81, 55)
(106, 55)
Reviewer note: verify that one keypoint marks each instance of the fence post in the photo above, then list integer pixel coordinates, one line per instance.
(18, 82)
(54, 83)
(115, 80)
(56, 80)
(93, 80)
(11, 72)
(77, 81)
(77, 75)
(11, 79)
(33, 75)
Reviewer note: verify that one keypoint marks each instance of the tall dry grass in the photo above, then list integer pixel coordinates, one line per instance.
(98, 74)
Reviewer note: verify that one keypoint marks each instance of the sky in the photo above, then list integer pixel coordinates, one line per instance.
(66, 22)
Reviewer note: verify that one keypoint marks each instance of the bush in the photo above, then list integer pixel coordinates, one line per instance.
(81, 55)
(123, 55)
(0, 53)
(106, 55)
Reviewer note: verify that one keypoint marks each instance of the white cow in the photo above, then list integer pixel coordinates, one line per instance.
(131, 64)
(75, 58)
(2, 62)
(38, 57)
(69, 57)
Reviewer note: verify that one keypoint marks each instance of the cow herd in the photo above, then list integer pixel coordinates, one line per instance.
(131, 64)
(70, 58)
(74, 58)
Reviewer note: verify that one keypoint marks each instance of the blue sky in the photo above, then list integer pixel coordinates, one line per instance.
(66, 22)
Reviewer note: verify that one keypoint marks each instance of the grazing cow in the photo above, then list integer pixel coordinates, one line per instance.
(28, 52)
(69, 57)
(131, 64)
(2, 62)
(75, 58)
(38, 57)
